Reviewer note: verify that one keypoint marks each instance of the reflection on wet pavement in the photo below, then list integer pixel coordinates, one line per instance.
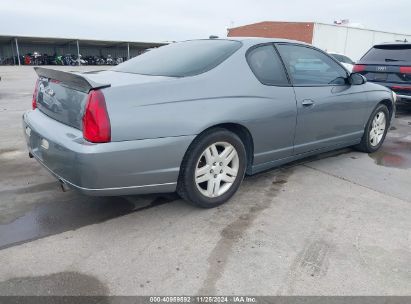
(59, 216)
(396, 149)
(58, 284)
(394, 154)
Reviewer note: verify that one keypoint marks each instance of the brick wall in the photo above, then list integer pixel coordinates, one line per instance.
(302, 31)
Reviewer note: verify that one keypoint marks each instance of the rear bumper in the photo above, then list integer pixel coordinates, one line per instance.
(115, 168)
(404, 98)
(402, 94)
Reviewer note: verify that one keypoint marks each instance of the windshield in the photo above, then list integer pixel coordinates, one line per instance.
(181, 59)
(389, 53)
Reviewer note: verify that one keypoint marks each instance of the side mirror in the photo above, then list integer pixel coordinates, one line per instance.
(356, 79)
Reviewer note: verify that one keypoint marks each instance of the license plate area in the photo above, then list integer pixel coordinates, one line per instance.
(34, 142)
(28, 131)
(380, 76)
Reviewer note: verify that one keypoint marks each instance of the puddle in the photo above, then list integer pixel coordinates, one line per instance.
(393, 153)
(56, 284)
(38, 209)
(55, 217)
(396, 149)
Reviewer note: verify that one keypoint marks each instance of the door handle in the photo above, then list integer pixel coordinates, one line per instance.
(307, 102)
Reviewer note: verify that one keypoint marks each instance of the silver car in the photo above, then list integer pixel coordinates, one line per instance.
(196, 116)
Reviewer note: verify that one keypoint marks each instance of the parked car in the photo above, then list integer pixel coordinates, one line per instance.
(389, 64)
(344, 60)
(196, 116)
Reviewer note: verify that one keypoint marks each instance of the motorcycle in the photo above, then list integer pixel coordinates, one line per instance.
(27, 59)
(49, 59)
(58, 60)
(100, 61)
(91, 60)
(36, 59)
(68, 60)
(79, 61)
(109, 60)
(118, 60)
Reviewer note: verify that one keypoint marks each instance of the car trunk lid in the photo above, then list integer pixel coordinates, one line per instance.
(63, 95)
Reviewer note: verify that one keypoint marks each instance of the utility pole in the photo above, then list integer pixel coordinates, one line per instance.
(78, 53)
(18, 51)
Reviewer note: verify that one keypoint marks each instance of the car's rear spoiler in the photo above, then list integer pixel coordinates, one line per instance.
(72, 80)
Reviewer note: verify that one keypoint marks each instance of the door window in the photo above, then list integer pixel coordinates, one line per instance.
(308, 66)
(267, 66)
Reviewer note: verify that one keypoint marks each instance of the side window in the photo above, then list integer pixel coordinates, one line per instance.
(267, 66)
(308, 66)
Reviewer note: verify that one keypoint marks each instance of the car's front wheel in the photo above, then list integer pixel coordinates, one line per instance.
(375, 130)
(212, 169)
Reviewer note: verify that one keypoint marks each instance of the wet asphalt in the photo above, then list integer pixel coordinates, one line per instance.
(396, 151)
(53, 217)
(32, 205)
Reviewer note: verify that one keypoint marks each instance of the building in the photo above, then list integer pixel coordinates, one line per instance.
(343, 39)
(13, 48)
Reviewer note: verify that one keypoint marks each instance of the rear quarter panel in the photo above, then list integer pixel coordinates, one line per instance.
(230, 93)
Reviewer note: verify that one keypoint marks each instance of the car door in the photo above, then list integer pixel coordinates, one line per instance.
(330, 111)
(274, 134)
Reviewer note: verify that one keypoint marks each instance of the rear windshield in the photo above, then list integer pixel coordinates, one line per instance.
(181, 59)
(388, 53)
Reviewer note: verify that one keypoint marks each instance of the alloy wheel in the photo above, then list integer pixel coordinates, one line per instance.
(216, 169)
(377, 128)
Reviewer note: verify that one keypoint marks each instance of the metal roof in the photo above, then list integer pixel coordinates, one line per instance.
(84, 42)
(322, 23)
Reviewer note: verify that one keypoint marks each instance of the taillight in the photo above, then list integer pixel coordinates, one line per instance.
(405, 70)
(96, 123)
(34, 100)
(358, 68)
(401, 88)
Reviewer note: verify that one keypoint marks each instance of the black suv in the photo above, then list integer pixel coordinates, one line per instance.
(388, 64)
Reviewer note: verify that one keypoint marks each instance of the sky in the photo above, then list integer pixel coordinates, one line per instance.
(174, 20)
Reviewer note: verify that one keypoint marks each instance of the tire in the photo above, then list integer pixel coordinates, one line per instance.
(222, 176)
(371, 144)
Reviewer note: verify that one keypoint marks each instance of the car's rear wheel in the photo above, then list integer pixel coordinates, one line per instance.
(212, 169)
(375, 130)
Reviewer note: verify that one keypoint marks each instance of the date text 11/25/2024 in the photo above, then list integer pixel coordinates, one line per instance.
(203, 299)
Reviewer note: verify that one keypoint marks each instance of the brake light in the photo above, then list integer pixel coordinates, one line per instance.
(405, 70)
(400, 88)
(96, 123)
(34, 100)
(358, 68)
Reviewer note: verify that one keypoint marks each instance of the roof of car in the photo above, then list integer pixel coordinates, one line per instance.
(394, 43)
(336, 53)
(253, 40)
(257, 40)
